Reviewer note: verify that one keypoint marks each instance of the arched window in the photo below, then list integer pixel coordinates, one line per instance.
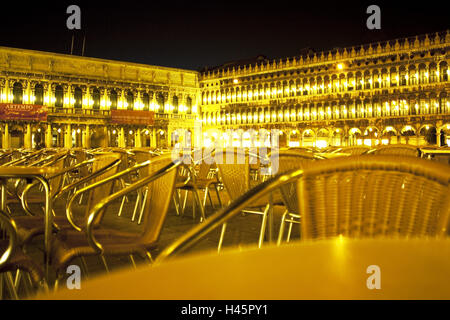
(130, 100)
(443, 71)
(17, 93)
(175, 104)
(146, 101)
(59, 97)
(96, 99)
(160, 101)
(433, 72)
(39, 94)
(189, 105)
(113, 99)
(78, 96)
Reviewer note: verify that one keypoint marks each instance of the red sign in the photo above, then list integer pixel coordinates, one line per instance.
(27, 112)
(132, 117)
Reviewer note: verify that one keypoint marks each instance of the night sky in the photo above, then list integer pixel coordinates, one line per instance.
(193, 35)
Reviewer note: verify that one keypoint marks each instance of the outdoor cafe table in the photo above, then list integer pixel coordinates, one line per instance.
(326, 269)
(38, 173)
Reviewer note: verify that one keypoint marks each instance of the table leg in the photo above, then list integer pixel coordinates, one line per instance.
(270, 218)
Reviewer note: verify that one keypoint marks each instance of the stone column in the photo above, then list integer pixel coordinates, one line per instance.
(122, 99)
(67, 94)
(27, 139)
(169, 137)
(137, 138)
(138, 101)
(104, 94)
(48, 136)
(87, 96)
(6, 141)
(28, 93)
(288, 137)
(105, 139)
(7, 92)
(121, 134)
(86, 137)
(153, 140)
(68, 137)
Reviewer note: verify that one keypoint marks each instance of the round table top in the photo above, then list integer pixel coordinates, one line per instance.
(340, 268)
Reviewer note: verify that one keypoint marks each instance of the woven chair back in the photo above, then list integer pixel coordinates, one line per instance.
(287, 161)
(373, 196)
(160, 193)
(97, 194)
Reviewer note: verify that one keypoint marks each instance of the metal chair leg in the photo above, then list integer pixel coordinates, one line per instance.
(210, 200)
(104, 263)
(121, 206)
(202, 210)
(17, 278)
(144, 202)
(280, 234)
(1, 286)
(149, 257)
(132, 261)
(263, 226)
(81, 199)
(289, 231)
(193, 207)
(177, 201)
(10, 285)
(59, 277)
(184, 202)
(84, 266)
(136, 206)
(218, 196)
(205, 197)
(222, 235)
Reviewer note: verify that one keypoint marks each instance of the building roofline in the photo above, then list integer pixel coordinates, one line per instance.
(98, 60)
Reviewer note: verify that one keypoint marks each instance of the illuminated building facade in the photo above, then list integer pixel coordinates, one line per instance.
(92, 102)
(380, 93)
(391, 92)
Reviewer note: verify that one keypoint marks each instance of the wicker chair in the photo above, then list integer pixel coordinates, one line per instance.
(140, 156)
(14, 259)
(97, 240)
(237, 180)
(16, 187)
(357, 197)
(200, 178)
(31, 226)
(287, 161)
(126, 160)
(374, 196)
(396, 149)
